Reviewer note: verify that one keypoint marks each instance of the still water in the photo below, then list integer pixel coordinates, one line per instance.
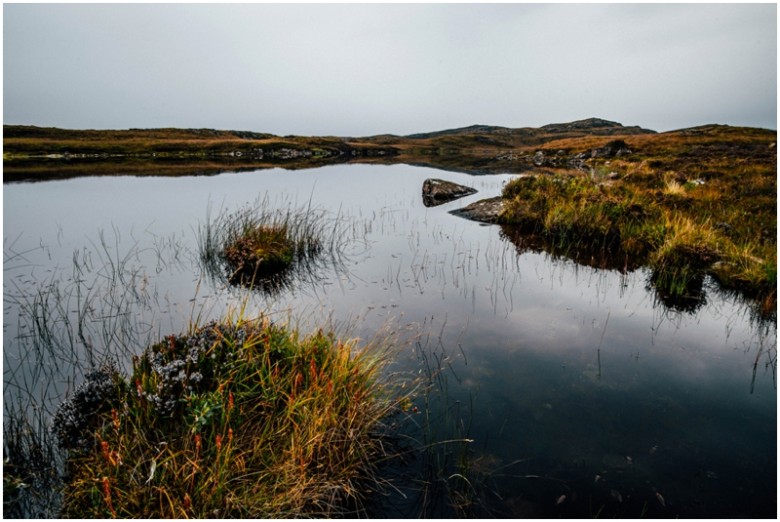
(581, 393)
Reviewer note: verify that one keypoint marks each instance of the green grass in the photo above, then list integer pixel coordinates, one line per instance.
(234, 419)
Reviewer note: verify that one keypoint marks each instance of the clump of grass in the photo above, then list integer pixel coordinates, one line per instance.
(682, 260)
(571, 210)
(233, 419)
(267, 249)
(260, 251)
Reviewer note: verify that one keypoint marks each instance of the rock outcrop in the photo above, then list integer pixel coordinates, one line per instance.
(484, 210)
(438, 191)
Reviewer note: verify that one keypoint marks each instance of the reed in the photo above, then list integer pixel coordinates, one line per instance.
(269, 249)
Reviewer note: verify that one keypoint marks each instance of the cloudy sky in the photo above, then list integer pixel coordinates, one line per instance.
(369, 69)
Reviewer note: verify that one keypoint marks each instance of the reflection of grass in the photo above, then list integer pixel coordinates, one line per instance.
(686, 204)
(234, 419)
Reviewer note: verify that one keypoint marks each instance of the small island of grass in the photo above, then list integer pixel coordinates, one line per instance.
(264, 248)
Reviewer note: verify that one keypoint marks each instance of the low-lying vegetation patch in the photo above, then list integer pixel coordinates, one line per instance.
(681, 205)
(234, 419)
(260, 250)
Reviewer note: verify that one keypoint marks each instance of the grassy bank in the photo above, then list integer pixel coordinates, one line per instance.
(234, 419)
(23, 143)
(688, 204)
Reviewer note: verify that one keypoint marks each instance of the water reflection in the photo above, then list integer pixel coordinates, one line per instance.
(582, 392)
(609, 256)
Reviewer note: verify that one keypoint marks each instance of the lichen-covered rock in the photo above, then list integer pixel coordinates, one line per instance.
(438, 191)
(484, 210)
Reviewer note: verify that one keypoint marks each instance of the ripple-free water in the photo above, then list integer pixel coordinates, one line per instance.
(582, 394)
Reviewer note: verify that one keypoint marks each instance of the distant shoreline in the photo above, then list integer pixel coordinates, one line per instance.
(478, 149)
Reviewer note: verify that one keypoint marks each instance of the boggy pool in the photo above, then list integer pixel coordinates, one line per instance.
(580, 393)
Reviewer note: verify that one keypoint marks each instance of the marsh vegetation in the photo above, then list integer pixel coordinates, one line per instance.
(540, 369)
(235, 419)
(270, 248)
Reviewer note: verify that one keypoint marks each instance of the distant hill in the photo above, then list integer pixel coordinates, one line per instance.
(590, 126)
(482, 143)
(594, 126)
(53, 133)
(473, 129)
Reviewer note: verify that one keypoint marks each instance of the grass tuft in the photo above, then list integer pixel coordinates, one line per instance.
(233, 419)
(269, 249)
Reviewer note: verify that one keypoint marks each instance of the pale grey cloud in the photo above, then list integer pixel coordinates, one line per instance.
(366, 69)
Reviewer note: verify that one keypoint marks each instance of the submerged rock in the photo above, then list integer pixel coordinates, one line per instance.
(438, 191)
(484, 210)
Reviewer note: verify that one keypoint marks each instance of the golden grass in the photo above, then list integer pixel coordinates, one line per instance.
(236, 419)
(705, 205)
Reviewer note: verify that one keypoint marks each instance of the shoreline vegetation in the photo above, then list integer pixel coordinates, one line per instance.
(251, 419)
(687, 203)
(240, 418)
(31, 152)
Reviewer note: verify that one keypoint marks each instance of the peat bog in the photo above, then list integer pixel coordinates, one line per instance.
(329, 343)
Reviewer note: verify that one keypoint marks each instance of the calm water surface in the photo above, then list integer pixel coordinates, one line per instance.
(582, 394)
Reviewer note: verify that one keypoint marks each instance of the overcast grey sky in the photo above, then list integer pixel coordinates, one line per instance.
(369, 69)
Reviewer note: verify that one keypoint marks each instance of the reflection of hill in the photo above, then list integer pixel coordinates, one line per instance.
(34, 152)
(42, 170)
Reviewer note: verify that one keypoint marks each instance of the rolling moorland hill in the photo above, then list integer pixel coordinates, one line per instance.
(21, 141)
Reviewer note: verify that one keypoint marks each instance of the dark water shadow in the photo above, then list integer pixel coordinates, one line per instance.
(607, 255)
(48, 169)
(36, 170)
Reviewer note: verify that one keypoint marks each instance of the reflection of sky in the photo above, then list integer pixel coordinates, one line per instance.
(407, 260)
(558, 358)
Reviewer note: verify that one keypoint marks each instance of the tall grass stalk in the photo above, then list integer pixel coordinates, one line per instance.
(99, 310)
